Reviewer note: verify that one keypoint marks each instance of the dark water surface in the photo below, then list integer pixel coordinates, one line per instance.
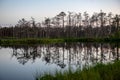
(26, 62)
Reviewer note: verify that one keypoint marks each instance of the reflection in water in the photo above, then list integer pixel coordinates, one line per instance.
(72, 54)
(26, 53)
(21, 62)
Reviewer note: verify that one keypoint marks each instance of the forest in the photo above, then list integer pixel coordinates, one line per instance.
(66, 25)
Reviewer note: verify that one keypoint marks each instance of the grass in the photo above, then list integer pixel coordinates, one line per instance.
(98, 72)
(57, 40)
(28, 41)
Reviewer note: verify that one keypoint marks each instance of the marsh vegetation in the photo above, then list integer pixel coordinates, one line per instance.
(88, 44)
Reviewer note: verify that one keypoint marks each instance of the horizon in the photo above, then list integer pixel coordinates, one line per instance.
(13, 11)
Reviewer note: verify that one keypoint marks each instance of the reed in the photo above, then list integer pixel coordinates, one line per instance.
(98, 72)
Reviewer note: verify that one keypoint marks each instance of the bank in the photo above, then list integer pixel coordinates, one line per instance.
(28, 41)
(109, 71)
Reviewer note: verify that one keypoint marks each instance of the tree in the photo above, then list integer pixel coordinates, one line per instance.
(62, 15)
(86, 20)
(69, 18)
(79, 17)
(110, 21)
(47, 22)
(94, 20)
(102, 17)
(117, 20)
(33, 22)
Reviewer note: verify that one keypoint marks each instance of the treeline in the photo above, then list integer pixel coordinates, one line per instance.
(70, 25)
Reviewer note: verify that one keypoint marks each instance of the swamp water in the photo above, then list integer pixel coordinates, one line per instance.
(26, 62)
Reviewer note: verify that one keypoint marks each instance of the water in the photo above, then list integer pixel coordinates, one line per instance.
(26, 62)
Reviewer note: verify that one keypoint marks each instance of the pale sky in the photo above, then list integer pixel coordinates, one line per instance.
(13, 10)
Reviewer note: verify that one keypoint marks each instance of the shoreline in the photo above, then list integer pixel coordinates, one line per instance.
(109, 71)
(28, 41)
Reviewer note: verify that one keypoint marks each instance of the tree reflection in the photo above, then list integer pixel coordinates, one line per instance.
(24, 54)
(68, 54)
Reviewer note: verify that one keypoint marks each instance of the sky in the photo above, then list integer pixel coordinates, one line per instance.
(11, 11)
